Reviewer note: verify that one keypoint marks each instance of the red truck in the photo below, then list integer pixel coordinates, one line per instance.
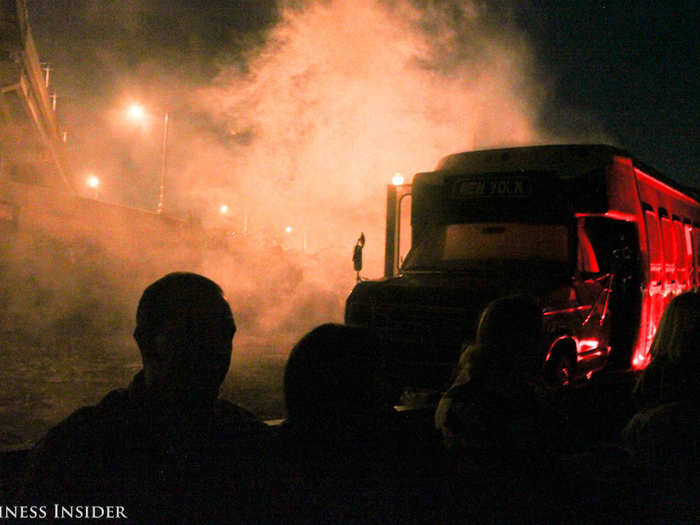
(601, 240)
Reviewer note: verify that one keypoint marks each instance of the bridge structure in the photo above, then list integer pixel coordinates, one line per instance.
(42, 215)
(32, 145)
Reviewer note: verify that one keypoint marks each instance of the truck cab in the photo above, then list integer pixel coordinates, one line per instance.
(487, 224)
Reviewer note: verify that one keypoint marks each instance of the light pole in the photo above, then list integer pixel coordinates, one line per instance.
(137, 113)
(164, 165)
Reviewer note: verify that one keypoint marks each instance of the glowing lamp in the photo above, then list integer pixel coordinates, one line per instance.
(223, 209)
(135, 112)
(397, 179)
(92, 181)
(288, 229)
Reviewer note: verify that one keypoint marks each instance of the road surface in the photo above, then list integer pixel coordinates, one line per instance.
(43, 381)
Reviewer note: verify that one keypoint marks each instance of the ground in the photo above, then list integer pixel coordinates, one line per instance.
(44, 378)
(42, 382)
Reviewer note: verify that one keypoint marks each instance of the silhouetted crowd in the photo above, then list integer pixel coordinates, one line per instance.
(499, 447)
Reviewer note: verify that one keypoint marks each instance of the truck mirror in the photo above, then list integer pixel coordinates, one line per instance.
(357, 254)
(357, 258)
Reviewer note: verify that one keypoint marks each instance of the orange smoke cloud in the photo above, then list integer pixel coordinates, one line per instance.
(345, 94)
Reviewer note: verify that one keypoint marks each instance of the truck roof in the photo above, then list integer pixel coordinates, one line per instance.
(576, 158)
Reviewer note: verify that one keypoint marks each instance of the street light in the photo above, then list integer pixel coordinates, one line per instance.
(93, 182)
(137, 113)
(290, 229)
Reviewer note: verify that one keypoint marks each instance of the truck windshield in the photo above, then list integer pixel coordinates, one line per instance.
(466, 246)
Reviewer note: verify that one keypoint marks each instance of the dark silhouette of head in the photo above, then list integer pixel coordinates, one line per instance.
(335, 370)
(508, 339)
(184, 330)
(674, 370)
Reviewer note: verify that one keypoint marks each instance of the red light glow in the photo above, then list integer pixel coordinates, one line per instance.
(588, 349)
(585, 345)
(641, 361)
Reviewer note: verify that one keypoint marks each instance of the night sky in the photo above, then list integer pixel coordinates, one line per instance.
(632, 66)
(627, 72)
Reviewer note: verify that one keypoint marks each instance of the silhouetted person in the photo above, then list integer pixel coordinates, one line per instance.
(166, 445)
(343, 440)
(664, 436)
(336, 391)
(496, 418)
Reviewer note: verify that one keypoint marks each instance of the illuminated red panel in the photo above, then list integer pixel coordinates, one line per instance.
(641, 360)
(585, 347)
(665, 188)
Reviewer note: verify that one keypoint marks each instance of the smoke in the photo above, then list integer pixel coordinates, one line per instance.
(296, 123)
(345, 94)
(299, 135)
(312, 110)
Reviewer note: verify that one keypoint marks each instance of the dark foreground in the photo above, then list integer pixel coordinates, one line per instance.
(591, 483)
(591, 486)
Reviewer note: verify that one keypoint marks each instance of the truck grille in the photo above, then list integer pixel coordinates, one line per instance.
(431, 331)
